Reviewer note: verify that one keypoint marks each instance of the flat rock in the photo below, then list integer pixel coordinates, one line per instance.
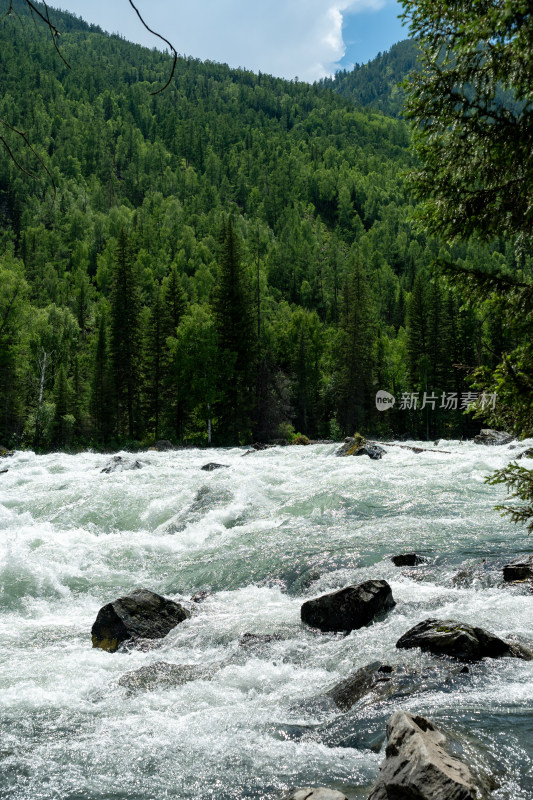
(161, 675)
(140, 615)
(349, 608)
(120, 464)
(420, 765)
(314, 794)
(460, 640)
(491, 437)
(408, 560)
(212, 466)
(520, 569)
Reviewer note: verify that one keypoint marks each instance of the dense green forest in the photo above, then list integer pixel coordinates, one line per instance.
(235, 254)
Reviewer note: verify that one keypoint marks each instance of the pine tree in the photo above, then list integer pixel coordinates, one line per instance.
(155, 361)
(234, 318)
(125, 337)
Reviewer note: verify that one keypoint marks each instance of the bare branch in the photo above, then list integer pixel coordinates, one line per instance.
(32, 151)
(175, 61)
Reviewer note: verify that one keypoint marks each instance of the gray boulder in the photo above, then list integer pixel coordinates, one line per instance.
(140, 615)
(520, 569)
(460, 640)
(161, 675)
(212, 466)
(349, 608)
(314, 794)
(120, 464)
(490, 437)
(420, 765)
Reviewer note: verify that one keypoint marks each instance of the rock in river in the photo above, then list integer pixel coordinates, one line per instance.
(140, 615)
(119, 464)
(161, 675)
(408, 560)
(212, 466)
(520, 569)
(458, 639)
(419, 765)
(349, 608)
(491, 437)
(359, 447)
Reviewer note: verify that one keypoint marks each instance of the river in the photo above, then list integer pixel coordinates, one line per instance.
(274, 528)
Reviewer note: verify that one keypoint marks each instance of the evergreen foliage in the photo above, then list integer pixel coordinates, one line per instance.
(125, 310)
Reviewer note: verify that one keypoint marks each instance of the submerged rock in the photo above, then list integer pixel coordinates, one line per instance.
(119, 464)
(490, 437)
(200, 596)
(212, 466)
(257, 639)
(526, 454)
(460, 640)
(314, 794)
(420, 765)
(140, 615)
(349, 608)
(378, 681)
(161, 675)
(520, 569)
(408, 560)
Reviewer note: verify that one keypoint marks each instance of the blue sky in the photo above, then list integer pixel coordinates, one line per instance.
(289, 38)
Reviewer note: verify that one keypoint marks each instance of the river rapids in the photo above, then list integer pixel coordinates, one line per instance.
(262, 535)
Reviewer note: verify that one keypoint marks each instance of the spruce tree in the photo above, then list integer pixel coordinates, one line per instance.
(102, 401)
(125, 338)
(356, 353)
(234, 318)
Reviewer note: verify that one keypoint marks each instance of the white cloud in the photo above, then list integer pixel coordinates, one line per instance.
(288, 38)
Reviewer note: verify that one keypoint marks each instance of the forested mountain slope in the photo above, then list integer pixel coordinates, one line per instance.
(375, 84)
(235, 249)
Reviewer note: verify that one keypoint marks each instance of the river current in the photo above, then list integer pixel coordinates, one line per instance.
(266, 533)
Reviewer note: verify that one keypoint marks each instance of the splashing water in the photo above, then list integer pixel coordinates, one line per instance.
(269, 531)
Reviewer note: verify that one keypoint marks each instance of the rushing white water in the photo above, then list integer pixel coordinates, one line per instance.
(274, 528)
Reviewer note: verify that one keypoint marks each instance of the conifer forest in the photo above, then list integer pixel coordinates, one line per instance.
(236, 258)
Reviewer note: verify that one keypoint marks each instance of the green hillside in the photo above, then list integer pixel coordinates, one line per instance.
(375, 84)
(237, 249)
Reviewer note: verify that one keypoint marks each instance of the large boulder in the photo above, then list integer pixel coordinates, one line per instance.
(460, 640)
(491, 437)
(314, 794)
(212, 466)
(419, 765)
(520, 569)
(140, 615)
(349, 608)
